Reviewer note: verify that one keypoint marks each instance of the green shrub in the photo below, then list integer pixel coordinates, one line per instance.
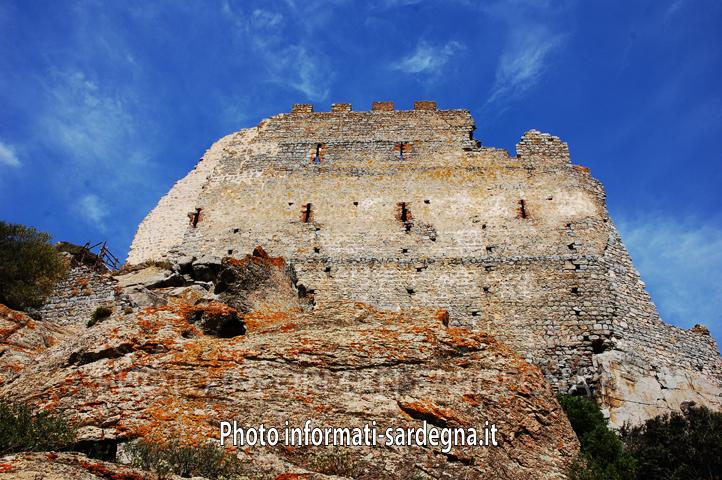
(583, 414)
(678, 446)
(100, 314)
(207, 460)
(22, 431)
(334, 461)
(30, 266)
(602, 455)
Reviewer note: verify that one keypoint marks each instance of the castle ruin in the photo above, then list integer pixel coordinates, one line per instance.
(402, 209)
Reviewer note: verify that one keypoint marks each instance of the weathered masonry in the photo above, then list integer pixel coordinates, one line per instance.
(406, 208)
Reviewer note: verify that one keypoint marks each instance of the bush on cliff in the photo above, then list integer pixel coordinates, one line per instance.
(678, 446)
(602, 455)
(29, 266)
(21, 430)
(205, 460)
(101, 313)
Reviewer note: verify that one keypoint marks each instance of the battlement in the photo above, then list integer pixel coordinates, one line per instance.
(425, 126)
(385, 106)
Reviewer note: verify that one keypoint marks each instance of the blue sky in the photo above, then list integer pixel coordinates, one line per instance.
(104, 105)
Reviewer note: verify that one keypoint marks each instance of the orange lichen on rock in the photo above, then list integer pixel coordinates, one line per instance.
(432, 413)
(214, 309)
(97, 468)
(259, 257)
(261, 320)
(293, 476)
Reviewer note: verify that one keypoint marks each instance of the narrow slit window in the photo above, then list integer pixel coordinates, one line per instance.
(404, 212)
(404, 215)
(317, 155)
(195, 217)
(522, 209)
(306, 213)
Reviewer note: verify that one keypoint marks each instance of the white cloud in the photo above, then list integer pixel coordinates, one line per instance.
(680, 260)
(94, 124)
(93, 210)
(306, 73)
(266, 19)
(297, 64)
(534, 34)
(8, 156)
(428, 58)
(523, 61)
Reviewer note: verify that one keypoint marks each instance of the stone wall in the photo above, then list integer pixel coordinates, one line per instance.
(74, 300)
(406, 209)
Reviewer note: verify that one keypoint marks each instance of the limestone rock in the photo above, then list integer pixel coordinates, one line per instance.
(22, 339)
(64, 466)
(150, 277)
(257, 281)
(215, 319)
(158, 375)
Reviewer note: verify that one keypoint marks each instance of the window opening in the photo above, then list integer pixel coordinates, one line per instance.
(306, 213)
(195, 217)
(317, 157)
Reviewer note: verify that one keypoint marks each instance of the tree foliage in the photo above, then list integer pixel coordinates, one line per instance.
(602, 455)
(678, 446)
(29, 266)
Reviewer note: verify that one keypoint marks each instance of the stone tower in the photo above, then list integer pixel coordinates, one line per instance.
(406, 208)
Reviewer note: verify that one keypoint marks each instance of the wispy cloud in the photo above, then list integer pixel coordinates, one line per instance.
(289, 64)
(533, 36)
(427, 58)
(93, 210)
(389, 4)
(524, 61)
(8, 156)
(93, 123)
(266, 19)
(680, 260)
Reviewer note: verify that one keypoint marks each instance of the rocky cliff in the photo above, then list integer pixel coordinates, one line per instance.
(184, 359)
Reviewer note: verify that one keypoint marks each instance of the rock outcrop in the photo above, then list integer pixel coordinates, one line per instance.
(157, 373)
(65, 466)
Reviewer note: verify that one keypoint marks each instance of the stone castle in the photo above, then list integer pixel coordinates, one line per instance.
(404, 209)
